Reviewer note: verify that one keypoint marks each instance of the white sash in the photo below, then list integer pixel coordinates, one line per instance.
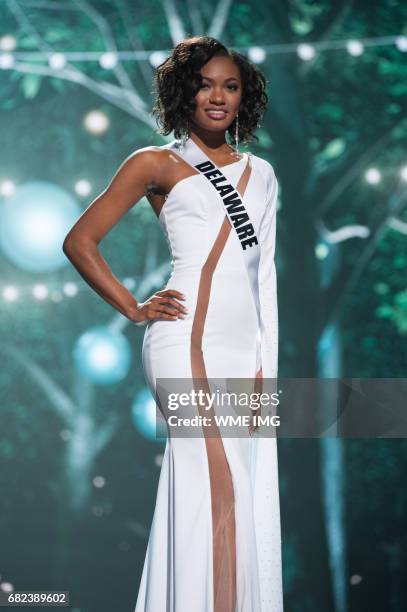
(231, 202)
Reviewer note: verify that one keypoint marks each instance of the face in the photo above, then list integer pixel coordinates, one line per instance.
(219, 96)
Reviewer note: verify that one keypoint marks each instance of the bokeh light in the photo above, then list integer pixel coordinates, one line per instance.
(144, 412)
(34, 221)
(102, 355)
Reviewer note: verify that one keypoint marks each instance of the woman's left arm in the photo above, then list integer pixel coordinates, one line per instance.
(268, 281)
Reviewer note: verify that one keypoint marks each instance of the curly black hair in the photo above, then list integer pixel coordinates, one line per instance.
(177, 81)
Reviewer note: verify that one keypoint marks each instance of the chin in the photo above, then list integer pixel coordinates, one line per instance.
(213, 125)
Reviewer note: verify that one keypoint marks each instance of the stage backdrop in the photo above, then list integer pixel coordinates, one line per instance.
(79, 462)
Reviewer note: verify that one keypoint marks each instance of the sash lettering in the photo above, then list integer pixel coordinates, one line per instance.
(232, 202)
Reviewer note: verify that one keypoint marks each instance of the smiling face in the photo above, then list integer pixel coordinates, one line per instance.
(219, 96)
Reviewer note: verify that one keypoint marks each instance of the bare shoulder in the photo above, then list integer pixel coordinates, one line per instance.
(151, 151)
(147, 165)
(148, 158)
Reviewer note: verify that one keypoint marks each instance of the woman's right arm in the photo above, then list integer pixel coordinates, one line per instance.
(134, 178)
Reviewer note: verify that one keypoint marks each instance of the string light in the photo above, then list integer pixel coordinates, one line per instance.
(83, 187)
(373, 176)
(96, 122)
(6, 61)
(57, 61)
(109, 59)
(305, 51)
(10, 294)
(8, 42)
(157, 57)
(256, 54)
(401, 43)
(40, 291)
(54, 292)
(70, 289)
(355, 47)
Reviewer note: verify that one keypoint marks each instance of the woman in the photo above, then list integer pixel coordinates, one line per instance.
(214, 543)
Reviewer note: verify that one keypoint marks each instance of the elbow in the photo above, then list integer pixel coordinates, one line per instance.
(67, 245)
(73, 244)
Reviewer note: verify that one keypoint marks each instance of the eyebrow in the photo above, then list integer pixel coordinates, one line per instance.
(228, 78)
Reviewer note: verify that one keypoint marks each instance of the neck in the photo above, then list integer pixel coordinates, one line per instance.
(211, 141)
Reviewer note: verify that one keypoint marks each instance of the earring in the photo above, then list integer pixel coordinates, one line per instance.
(237, 134)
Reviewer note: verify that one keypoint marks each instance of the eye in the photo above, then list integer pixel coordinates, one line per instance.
(231, 86)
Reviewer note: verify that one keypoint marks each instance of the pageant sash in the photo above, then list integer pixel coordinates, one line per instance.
(232, 204)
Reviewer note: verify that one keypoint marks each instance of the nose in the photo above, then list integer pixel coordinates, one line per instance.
(216, 97)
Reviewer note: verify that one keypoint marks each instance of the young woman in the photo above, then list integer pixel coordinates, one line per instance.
(215, 543)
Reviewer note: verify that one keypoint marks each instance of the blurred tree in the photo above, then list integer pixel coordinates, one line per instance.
(341, 254)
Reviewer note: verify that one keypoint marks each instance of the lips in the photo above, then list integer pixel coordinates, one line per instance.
(216, 114)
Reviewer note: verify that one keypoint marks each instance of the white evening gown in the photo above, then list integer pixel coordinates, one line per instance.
(215, 539)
